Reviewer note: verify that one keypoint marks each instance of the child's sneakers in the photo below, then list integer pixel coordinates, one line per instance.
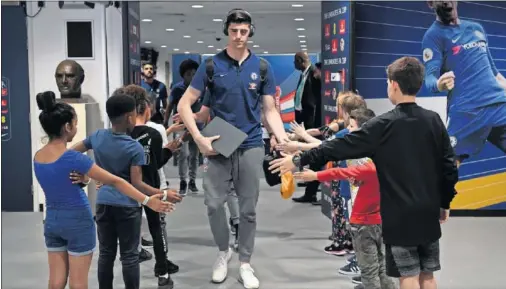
(336, 250)
(351, 269)
(351, 259)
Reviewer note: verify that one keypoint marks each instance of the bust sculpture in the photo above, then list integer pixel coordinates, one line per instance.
(69, 76)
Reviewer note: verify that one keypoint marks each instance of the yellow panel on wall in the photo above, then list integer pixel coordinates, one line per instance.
(480, 192)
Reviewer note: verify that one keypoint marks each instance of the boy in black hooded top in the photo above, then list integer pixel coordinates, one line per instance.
(156, 156)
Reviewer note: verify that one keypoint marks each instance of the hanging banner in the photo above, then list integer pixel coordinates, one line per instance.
(6, 114)
(131, 42)
(336, 60)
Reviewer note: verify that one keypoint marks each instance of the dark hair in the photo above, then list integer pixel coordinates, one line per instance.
(187, 64)
(408, 72)
(142, 100)
(119, 104)
(148, 63)
(362, 115)
(238, 16)
(352, 101)
(318, 65)
(54, 114)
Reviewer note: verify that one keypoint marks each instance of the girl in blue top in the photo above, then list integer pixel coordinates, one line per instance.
(69, 229)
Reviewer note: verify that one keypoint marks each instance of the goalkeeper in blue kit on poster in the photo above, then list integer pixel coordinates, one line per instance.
(457, 57)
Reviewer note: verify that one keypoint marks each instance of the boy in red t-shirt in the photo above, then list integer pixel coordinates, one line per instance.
(365, 217)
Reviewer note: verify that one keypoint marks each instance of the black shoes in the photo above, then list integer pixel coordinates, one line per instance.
(165, 282)
(146, 244)
(144, 256)
(183, 188)
(192, 186)
(171, 269)
(305, 199)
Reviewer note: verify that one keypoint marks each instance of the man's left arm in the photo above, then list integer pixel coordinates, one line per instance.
(500, 78)
(271, 114)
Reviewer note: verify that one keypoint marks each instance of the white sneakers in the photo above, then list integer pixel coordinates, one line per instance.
(246, 273)
(247, 277)
(220, 267)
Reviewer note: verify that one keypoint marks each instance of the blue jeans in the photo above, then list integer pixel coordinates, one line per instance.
(123, 223)
(71, 230)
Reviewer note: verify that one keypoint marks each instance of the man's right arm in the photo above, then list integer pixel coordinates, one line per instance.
(433, 59)
(191, 95)
(202, 116)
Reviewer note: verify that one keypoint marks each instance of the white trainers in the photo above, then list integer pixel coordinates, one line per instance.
(247, 277)
(220, 267)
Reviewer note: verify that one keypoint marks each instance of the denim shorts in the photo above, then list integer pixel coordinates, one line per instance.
(71, 230)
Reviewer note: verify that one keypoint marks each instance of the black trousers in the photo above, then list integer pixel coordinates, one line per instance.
(312, 187)
(309, 122)
(159, 242)
(306, 117)
(123, 224)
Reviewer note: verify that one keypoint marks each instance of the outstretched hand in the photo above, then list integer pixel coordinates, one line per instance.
(174, 145)
(298, 129)
(156, 204)
(288, 147)
(173, 196)
(282, 165)
(307, 175)
(175, 127)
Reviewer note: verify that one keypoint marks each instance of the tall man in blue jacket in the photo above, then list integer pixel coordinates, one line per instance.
(457, 59)
(238, 96)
